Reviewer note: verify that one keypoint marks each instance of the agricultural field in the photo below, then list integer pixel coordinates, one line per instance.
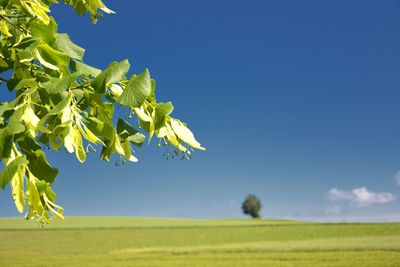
(125, 241)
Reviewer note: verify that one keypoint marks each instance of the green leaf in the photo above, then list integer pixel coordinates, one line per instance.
(17, 184)
(4, 29)
(100, 128)
(51, 58)
(136, 91)
(40, 167)
(64, 43)
(17, 84)
(82, 68)
(173, 139)
(11, 169)
(6, 109)
(88, 134)
(115, 72)
(7, 137)
(108, 150)
(55, 111)
(37, 9)
(38, 164)
(27, 44)
(28, 144)
(152, 96)
(162, 110)
(185, 134)
(33, 198)
(77, 143)
(91, 6)
(55, 143)
(44, 32)
(3, 65)
(59, 85)
(128, 132)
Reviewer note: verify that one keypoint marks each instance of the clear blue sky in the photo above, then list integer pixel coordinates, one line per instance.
(290, 98)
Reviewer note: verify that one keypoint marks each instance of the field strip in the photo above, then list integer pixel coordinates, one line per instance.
(386, 243)
(101, 223)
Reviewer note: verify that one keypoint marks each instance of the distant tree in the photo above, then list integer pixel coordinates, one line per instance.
(252, 206)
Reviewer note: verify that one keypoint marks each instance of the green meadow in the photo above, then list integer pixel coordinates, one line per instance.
(125, 241)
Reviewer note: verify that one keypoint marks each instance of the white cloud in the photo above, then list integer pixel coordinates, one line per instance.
(397, 177)
(360, 197)
(333, 209)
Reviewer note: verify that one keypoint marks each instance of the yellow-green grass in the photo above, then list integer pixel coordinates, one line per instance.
(131, 222)
(124, 241)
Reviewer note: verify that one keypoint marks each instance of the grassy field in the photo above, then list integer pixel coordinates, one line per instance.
(124, 241)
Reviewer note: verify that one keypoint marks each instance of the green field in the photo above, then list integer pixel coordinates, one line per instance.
(124, 241)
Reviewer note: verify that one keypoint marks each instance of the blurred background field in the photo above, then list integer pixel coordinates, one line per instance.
(127, 241)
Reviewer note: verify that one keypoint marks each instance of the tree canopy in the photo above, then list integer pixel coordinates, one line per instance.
(252, 206)
(59, 101)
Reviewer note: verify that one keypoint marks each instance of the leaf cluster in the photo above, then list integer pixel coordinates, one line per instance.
(61, 102)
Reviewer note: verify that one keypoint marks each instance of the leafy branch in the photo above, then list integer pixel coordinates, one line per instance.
(61, 102)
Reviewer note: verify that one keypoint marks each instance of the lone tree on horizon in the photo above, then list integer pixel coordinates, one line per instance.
(252, 206)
